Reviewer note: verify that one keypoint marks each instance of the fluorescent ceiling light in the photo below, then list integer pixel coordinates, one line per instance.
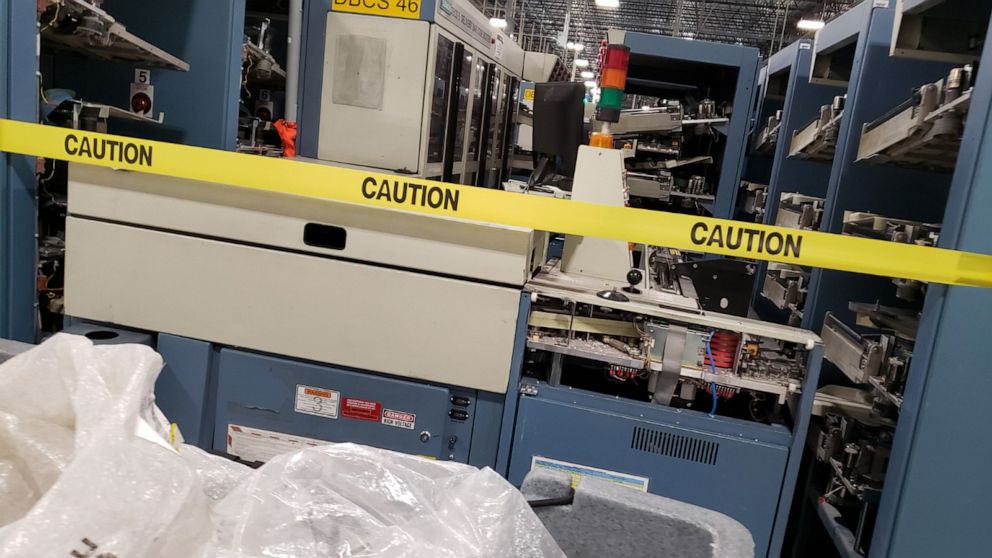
(497, 22)
(577, 47)
(810, 24)
(581, 63)
(587, 75)
(590, 84)
(608, 3)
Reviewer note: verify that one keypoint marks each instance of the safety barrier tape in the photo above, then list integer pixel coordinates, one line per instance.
(714, 236)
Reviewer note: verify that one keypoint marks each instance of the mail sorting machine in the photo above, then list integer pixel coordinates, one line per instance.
(944, 411)
(430, 97)
(280, 329)
(767, 108)
(685, 138)
(892, 143)
(642, 384)
(795, 186)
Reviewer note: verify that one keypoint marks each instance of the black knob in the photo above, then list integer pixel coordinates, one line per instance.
(634, 277)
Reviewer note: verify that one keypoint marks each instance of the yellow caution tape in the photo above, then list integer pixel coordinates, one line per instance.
(715, 236)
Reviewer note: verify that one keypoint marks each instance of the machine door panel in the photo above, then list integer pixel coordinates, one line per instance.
(329, 403)
(387, 320)
(441, 86)
(738, 477)
(508, 131)
(372, 99)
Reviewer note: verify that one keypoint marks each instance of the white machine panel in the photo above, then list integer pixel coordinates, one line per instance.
(599, 178)
(538, 66)
(373, 91)
(386, 320)
(452, 247)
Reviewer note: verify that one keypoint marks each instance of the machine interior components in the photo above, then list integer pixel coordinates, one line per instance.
(83, 27)
(818, 139)
(798, 211)
(855, 450)
(755, 195)
(880, 227)
(925, 130)
(767, 138)
(648, 374)
(870, 225)
(785, 287)
(263, 88)
(662, 151)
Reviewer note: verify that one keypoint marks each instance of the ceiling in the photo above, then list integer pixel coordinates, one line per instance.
(765, 24)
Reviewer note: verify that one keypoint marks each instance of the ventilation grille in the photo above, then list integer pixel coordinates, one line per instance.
(674, 445)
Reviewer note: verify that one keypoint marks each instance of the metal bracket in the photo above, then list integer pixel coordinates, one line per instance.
(671, 365)
(528, 389)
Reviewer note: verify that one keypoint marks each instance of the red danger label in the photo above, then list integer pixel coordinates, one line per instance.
(361, 409)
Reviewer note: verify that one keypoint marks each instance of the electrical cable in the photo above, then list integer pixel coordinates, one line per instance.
(58, 8)
(709, 353)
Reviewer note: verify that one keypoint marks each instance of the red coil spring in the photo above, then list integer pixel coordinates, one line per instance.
(723, 345)
(723, 392)
(623, 373)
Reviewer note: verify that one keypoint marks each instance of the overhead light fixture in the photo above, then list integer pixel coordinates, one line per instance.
(497, 22)
(608, 3)
(590, 84)
(810, 24)
(587, 75)
(581, 63)
(577, 47)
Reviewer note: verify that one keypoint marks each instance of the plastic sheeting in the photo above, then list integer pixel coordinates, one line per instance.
(86, 467)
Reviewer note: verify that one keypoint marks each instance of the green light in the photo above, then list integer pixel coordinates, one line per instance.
(611, 98)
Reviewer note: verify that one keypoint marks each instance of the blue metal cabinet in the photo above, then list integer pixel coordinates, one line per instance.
(790, 174)
(732, 468)
(261, 391)
(876, 83)
(18, 101)
(938, 482)
(705, 56)
(744, 469)
(186, 388)
(201, 105)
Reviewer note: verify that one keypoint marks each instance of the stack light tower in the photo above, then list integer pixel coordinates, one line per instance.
(613, 62)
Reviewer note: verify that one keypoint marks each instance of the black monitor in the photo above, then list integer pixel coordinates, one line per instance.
(558, 123)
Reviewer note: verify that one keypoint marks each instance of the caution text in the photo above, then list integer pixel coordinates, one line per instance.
(746, 239)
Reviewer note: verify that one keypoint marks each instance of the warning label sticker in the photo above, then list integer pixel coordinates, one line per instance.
(578, 472)
(361, 409)
(255, 444)
(317, 401)
(398, 419)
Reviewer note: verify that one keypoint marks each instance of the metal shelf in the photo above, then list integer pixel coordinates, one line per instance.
(82, 28)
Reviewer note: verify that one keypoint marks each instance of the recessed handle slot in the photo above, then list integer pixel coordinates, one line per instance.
(324, 236)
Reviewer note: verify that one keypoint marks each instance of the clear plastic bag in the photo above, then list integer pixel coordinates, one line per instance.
(85, 466)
